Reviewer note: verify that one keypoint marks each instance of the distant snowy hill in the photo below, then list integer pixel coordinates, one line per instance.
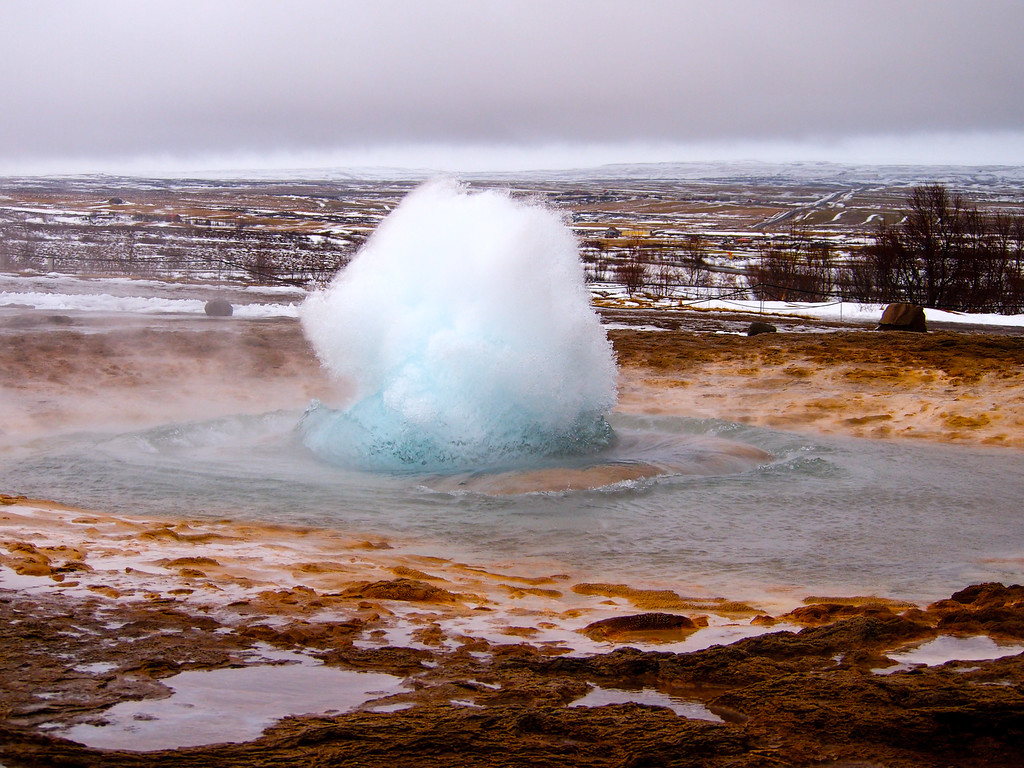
(960, 176)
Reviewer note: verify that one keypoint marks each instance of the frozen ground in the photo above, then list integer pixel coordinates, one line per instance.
(56, 292)
(59, 293)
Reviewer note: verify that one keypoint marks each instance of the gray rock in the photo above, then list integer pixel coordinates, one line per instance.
(757, 327)
(219, 308)
(903, 317)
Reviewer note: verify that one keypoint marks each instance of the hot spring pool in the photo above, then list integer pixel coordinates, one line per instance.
(731, 509)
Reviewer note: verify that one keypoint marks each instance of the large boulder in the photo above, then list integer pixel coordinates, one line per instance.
(903, 317)
(757, 327)
(219, 308)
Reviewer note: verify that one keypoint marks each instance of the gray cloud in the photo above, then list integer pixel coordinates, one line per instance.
(120, 79)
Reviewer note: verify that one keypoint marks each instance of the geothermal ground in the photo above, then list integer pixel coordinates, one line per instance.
(109, 622)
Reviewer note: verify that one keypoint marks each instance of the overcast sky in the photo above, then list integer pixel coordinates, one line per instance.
(467, 84)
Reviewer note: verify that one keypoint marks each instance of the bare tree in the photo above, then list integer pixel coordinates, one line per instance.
(125, 253)
(695, 260)
(594, 265)
(6, 250)
(666, 278)
(633, 269)
(793, 267)
(26, 255)
(945, 254)
(323, 262)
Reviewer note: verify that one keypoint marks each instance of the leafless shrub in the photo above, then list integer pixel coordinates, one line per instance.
(793, 268)
(945, 254)
(632, 271)
(695, 261)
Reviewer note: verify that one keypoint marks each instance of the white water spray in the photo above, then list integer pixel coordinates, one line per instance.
(465, 326)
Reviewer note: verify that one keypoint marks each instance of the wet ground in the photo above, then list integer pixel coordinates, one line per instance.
(943, 385)
(100, 611)
(823, 691)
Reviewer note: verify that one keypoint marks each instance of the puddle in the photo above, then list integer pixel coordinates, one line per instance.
(598, 697)
(947, 648)
(394, 707)
(465, 703)
(231, 705)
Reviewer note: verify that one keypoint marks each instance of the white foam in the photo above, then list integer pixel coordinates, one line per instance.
(465, 328)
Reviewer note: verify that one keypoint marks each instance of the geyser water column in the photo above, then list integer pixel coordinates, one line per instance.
(465, 328)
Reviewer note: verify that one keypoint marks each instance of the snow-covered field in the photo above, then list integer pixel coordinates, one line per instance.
(69, 293)
(608, 295)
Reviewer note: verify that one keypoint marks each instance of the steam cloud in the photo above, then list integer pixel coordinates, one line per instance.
(465, 327)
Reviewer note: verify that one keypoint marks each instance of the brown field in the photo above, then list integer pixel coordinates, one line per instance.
(947, 386)
(944, 386)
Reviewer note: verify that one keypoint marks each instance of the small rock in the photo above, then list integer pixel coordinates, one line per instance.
(219, 308)
(32, 568)
(903, 317)
(757, 327)
(73, 565)
(820, 614)
(409, 590)
(624, 626)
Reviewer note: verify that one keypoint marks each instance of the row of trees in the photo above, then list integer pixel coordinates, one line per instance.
(939, 252)
(946, 254)
(796, 268)
(649, 264)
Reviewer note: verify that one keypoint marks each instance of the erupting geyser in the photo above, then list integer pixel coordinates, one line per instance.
(465, 327)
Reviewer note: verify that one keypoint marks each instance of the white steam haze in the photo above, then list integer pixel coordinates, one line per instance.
(468, 85)
(465, 330)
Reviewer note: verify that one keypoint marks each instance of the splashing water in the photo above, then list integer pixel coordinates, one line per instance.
(465, 327)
